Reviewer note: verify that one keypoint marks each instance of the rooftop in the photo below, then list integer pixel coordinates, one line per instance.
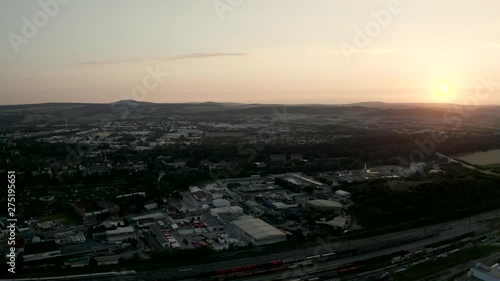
(324, 203)
(120, 230)
(257, 228)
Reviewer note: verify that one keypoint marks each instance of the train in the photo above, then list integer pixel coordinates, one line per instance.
(278, 265)
(370, 263)
(452, 243)
(347, 268)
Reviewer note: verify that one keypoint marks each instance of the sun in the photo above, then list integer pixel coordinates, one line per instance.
(444, 89)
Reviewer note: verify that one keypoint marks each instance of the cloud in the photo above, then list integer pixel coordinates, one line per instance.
(206, 55)
(116, 62)
(181, 57)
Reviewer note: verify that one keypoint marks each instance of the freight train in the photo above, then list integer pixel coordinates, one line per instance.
(278, 265)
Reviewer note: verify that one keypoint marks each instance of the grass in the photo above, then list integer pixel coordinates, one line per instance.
(434, 266)
(64, 218)
(404, 185)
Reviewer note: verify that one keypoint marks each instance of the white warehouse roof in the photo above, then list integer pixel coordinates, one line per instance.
(226, 210)
(343, 193)
(221, 203)
(258, 229)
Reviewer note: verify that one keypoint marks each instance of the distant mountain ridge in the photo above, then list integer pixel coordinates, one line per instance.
(119, 110)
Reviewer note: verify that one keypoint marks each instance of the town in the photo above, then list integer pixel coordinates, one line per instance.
(108, 193)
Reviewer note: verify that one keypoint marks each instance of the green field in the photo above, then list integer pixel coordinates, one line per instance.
(405, 185)
(486, 158)
(61, 218)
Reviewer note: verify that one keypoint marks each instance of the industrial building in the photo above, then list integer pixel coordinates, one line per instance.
(321, 205)
(155, 216)
(226, 210)
(258, 231)
(121, 233)
(218, 203)
(481, 272)
(339, 222)
(343, 193)
(164, 238)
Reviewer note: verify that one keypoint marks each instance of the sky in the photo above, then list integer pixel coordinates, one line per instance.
(249, 51)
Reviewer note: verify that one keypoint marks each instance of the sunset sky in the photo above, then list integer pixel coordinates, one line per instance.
(255, 51)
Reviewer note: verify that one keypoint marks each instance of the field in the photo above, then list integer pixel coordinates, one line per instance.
(491, 157)
(402, 185)
(61, 218)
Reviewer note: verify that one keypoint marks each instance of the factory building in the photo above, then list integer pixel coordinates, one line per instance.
(321, 205)
(121, 233)
(343, 193)
(164, 237)
(226, 210)
(484, 273)
(218, 203)
(258, 231)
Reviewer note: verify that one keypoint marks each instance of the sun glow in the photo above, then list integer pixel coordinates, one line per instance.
(444, 89)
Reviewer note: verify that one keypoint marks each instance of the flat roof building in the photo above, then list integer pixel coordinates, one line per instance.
(121, 233)
(484, 273)
(340, 222)
(218, 203)
(325, 205)
(343, 193)
(163, 237)
(258, 231)
(226, 210)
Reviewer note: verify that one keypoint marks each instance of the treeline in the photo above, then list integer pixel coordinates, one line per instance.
(458, 193)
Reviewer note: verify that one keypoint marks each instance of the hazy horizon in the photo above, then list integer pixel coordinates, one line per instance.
(267, 52)
(365, 103)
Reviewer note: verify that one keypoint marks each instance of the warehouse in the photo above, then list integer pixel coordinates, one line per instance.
(121, 233)
(226, 210)
(325, 206)
(258, 231)
(218, 203)
(343, 193)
